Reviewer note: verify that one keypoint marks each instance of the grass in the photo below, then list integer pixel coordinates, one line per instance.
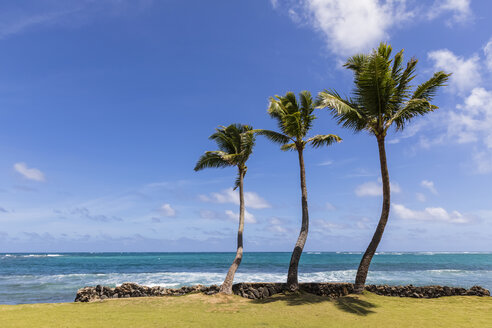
(197, 310)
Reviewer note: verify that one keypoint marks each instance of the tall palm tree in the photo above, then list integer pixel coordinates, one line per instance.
(235, 144)
(382, 97)
(294, 121)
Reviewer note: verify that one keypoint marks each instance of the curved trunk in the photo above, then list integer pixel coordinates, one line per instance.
(360, 279)
(226, 286)
(292, 282)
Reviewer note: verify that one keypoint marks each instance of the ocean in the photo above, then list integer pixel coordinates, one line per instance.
(55, 277)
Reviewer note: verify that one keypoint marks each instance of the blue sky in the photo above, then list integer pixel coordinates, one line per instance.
(106, 105)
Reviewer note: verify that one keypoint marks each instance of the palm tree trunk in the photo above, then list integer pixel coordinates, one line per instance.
(292, 281)
(360, 279)
(226, 286)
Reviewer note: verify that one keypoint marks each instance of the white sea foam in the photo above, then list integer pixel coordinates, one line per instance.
(465, 278)
(390, 253)
(350, 253)
(41, 255)
(30, 255)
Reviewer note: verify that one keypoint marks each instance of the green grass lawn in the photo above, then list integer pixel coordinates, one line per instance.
(197, 310)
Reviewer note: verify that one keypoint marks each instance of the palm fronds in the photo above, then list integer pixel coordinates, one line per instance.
(323, 140)
(235, 143)
(382, 93)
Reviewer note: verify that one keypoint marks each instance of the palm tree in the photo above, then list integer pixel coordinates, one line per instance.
(294, 121)
(235, 144)
(382, 97)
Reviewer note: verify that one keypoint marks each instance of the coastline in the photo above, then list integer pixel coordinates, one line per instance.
(39, 278)
(264, 290)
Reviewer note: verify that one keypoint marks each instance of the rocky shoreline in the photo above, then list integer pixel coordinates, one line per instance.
(263, 290)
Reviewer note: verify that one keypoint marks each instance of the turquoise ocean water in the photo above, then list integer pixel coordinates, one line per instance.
(34, 278)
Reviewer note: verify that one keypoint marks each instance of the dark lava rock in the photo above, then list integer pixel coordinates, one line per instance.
(264, 290)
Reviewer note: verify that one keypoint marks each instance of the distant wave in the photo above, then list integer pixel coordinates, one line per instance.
(447, 253)
(350, 253)
(30, 255)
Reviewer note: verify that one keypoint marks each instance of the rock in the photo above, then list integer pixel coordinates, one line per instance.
(264, 290)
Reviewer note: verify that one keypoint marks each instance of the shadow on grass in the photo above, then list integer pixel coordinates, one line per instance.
(299, 298)
(347, 304)
(354, 305)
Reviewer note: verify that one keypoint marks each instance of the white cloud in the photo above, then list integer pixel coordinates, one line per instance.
(470, 122)
(487, 50)
(466, 72)
(29, 173)
(248, 217)
(473, 118)
(373, 188)
(167, 210)
(429, 185)
(251, 199)
(459, 8)
(351, 26)
(420, 197)
(435, 214)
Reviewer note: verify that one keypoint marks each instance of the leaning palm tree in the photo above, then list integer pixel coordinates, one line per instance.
(382, 97)
(294, 121)
(235, 144)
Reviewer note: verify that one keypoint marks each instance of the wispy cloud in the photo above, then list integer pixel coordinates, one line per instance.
(351, 26)
(487, 50)
(20, 24)
(466, 72)
(459, 9)
(429, 185)
(248, 217)
(420, 197)
(278, 226)
(251, 199)
(16, 18)
(470, 122)
(86, 213)
(325, 163)
(329, 206)
(167, 210)
(29, 173)
(435, 214)
(374, 188)
(226, 215)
